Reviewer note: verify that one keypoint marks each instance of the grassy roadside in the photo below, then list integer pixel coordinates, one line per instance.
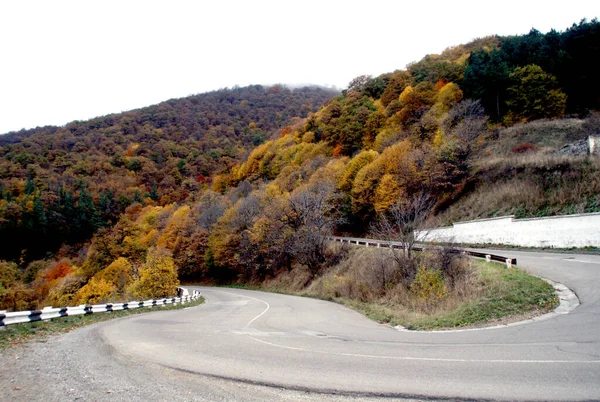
(496, 295)
(17, 334)
(509, 295)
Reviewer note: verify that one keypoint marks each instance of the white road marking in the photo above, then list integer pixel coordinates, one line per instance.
(567, 259)
(431, 359)
(407, 358)
(249, 297)
(583, 261)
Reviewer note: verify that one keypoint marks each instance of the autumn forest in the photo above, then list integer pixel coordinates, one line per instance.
(244, 184)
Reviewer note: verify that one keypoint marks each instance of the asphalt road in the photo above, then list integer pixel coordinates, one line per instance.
(246, 345)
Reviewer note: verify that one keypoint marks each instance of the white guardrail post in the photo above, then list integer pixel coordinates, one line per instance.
(48, 313)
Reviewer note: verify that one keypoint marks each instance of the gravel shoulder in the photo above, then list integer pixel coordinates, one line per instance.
(80, 366)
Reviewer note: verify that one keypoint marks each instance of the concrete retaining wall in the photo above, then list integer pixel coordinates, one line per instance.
(594, 145)
(563, 231)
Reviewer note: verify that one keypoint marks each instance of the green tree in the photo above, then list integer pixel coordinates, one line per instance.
(535, 94)
(486, 78)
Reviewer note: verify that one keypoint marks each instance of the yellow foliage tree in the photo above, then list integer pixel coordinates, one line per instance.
(308, 137)
(428, 285)
(309, 151)
(149, 238)
(388, 192)
(148, 218)
(448, 96)
(65, 292)
(352, 168)
(96, 291)
(411, 101)
(252, 164)
(9, 274)
(333, 170)
(175, 227)
(18, 298)
(398, 82)
(397, 161)
(158, 276)
(119, 273)
(219, 184)
(364, 185)
(406, 96)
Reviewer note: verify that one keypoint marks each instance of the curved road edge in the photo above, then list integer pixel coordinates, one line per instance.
(568, 301)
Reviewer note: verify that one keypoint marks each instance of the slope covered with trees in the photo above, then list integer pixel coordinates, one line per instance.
(61, 184)
(208, 210)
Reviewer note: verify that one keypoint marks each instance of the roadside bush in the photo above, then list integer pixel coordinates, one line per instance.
(450, 262)
(9, 274)
(57, 270)
(336, 253)
(429, 286)
(18, 297)
(294, 280)
(348, 279)
(64, 292)
(348, 287)
(119, 273)
(158, 276)
(441, 279)
(384, 273)
(33, 268)
(96, 291)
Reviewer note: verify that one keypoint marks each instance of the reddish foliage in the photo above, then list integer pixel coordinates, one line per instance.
(286, 131)
(440, 84)
(60, 270)
(522, 148)
(337, 150)
(133, 211)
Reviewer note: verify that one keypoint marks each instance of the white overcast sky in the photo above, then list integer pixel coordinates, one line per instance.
(67, 60)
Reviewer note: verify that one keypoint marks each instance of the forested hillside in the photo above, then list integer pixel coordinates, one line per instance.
(61, 184)
(472, 132)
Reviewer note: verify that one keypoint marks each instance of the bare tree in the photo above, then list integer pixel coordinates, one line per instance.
(466, 120)
(404, 226)
(383, 272)
(312, 214)
(209, 209)
(247, 209)
(209, 216)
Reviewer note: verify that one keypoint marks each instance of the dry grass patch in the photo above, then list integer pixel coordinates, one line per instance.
(484, 293)
(530, 186)
(500, 296)
(545, 134)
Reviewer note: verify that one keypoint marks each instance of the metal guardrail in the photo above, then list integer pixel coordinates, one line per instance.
(395, 245)
(48, 313)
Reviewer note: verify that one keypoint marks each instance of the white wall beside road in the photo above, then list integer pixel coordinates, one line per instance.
(565, 231)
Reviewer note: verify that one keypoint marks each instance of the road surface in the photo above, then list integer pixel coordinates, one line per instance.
(246, 345)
